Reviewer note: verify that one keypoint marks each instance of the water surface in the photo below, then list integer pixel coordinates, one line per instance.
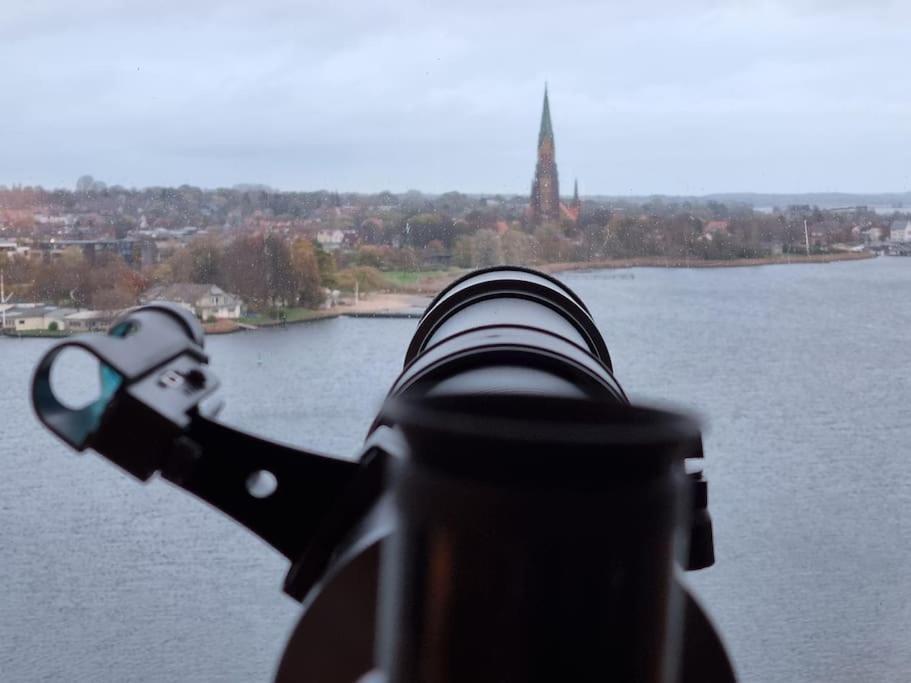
(799, 371)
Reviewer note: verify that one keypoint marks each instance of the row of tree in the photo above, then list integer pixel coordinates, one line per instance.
(264, 270)
(680, 236)
(269, 269)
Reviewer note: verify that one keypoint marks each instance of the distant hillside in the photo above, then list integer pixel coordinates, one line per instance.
(252, 187)
(824, 200)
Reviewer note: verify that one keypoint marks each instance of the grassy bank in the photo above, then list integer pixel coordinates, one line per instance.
(292, 315)
(53, 334)
(419, 280)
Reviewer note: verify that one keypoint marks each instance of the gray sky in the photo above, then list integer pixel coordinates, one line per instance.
(669, 97)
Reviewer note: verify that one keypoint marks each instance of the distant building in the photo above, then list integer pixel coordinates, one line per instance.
(712, 228)
(134, 252)
(89, 321)
(900, 230)
(576, 206)
(205, 301)
(30, 317)
(333, 239)
(12, 249)
(545, 188)
(58, 315)
(24, 319)
(159, 234)
(872, 235)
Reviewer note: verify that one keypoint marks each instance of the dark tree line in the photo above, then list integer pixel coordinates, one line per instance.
(265, 270)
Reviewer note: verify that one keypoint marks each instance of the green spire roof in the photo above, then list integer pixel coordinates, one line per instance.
(547, 131)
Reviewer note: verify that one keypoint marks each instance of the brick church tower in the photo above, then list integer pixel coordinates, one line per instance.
(545, 188)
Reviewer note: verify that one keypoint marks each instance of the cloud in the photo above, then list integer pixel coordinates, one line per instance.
(661, 97)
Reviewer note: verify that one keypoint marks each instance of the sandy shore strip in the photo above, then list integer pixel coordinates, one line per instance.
(375, 304)
(385, 303)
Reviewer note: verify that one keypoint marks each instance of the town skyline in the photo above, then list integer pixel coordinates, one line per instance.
(661, 100)
(898, 199)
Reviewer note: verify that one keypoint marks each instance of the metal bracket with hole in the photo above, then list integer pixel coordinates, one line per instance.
(147, 420)
(160, 342)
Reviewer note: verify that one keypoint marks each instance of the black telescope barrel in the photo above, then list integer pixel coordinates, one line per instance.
(508, 294)
(508, 330)
(540, 517)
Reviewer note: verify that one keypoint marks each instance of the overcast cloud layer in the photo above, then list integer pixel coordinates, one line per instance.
(707, 97)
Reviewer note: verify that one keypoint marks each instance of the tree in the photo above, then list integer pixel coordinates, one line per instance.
(434, 251)
(375, 257)
(205, 255)
(594, 240)
(259, 269)
(487, 250)
(306, 269)
(553, 247)
(17, 270)
(64, 278)
(327, 266)
(368, 279)
(519, 248)
(134, 282)
(178, 267)
(112, 284)
(462, 252)
(405, 258)
(679, 234)
(85, 183)
(245, 270)
(112, 298)
(423, 228)
(281, 280)
(626, 236)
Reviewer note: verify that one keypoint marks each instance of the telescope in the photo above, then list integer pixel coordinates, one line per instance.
(510, 517)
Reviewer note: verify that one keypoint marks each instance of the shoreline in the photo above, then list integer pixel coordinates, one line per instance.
(412, 302)
(374, 305)
(408, 304)
(658, 262)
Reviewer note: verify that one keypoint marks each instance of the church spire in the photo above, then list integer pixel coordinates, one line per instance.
(576, 192)
(547, 131)
(545, 189)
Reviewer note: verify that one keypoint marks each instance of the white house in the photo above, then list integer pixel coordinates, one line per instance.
(205, 301)
(900, 230)
(28, 318)
(24, 319)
